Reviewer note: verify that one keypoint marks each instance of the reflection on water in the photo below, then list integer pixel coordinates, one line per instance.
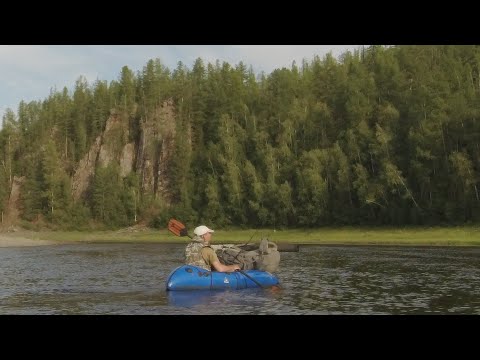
(130, 279)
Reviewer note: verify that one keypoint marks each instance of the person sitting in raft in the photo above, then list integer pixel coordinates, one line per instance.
(199, 253)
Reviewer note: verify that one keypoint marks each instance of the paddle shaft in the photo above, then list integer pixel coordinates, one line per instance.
(251, 237)
(249, 277)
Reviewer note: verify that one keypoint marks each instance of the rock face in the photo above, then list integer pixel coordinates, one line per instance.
(12, 210)
(155, 150)
(108, 147)
(114, 138)
(126, 159)
(149, 158)
(85, 170)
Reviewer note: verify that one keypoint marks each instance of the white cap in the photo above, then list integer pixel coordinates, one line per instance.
(202, 230)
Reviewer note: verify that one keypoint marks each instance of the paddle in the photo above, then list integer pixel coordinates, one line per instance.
(251, 237)
(177, 228)
(249, 277)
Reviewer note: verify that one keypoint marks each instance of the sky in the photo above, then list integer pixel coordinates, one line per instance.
(29, 72)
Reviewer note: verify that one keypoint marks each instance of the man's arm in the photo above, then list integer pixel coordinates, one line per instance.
(211, 258)
(218, 266)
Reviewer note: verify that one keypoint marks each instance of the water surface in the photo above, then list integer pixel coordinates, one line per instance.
(130, 279)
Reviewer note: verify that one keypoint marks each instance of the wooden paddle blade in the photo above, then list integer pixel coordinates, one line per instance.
(177, 228)
(176, 223)
(175, 231)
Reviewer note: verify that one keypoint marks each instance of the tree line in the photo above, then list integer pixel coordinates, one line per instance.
(380, 136)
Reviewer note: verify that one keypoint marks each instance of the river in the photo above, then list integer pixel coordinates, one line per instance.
(317, 280)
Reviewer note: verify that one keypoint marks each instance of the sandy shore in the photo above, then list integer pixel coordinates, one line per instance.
(13, 240)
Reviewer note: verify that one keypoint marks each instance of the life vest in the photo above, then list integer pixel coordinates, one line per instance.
(193, 254)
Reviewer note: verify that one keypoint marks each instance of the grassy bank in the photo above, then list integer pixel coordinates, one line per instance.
(349, 236)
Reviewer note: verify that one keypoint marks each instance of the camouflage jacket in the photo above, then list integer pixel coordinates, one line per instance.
(193, 255)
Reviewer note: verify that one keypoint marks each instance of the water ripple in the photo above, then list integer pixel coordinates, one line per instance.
(317, 280)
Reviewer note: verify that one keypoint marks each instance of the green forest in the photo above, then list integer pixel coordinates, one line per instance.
(383, 135)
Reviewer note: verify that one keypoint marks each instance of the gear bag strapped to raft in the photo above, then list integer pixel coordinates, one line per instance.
(265, 258)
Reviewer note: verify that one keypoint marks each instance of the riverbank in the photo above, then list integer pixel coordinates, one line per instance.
(13, 240)
(438, 236)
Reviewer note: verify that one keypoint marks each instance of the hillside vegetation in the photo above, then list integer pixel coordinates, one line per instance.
(380, 136)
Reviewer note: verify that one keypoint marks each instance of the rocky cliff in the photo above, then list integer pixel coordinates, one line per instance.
(148, 156)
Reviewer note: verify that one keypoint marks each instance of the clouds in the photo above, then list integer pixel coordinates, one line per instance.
(28, 72)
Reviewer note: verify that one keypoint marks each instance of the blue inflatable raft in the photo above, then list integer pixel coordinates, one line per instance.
(188, 277)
